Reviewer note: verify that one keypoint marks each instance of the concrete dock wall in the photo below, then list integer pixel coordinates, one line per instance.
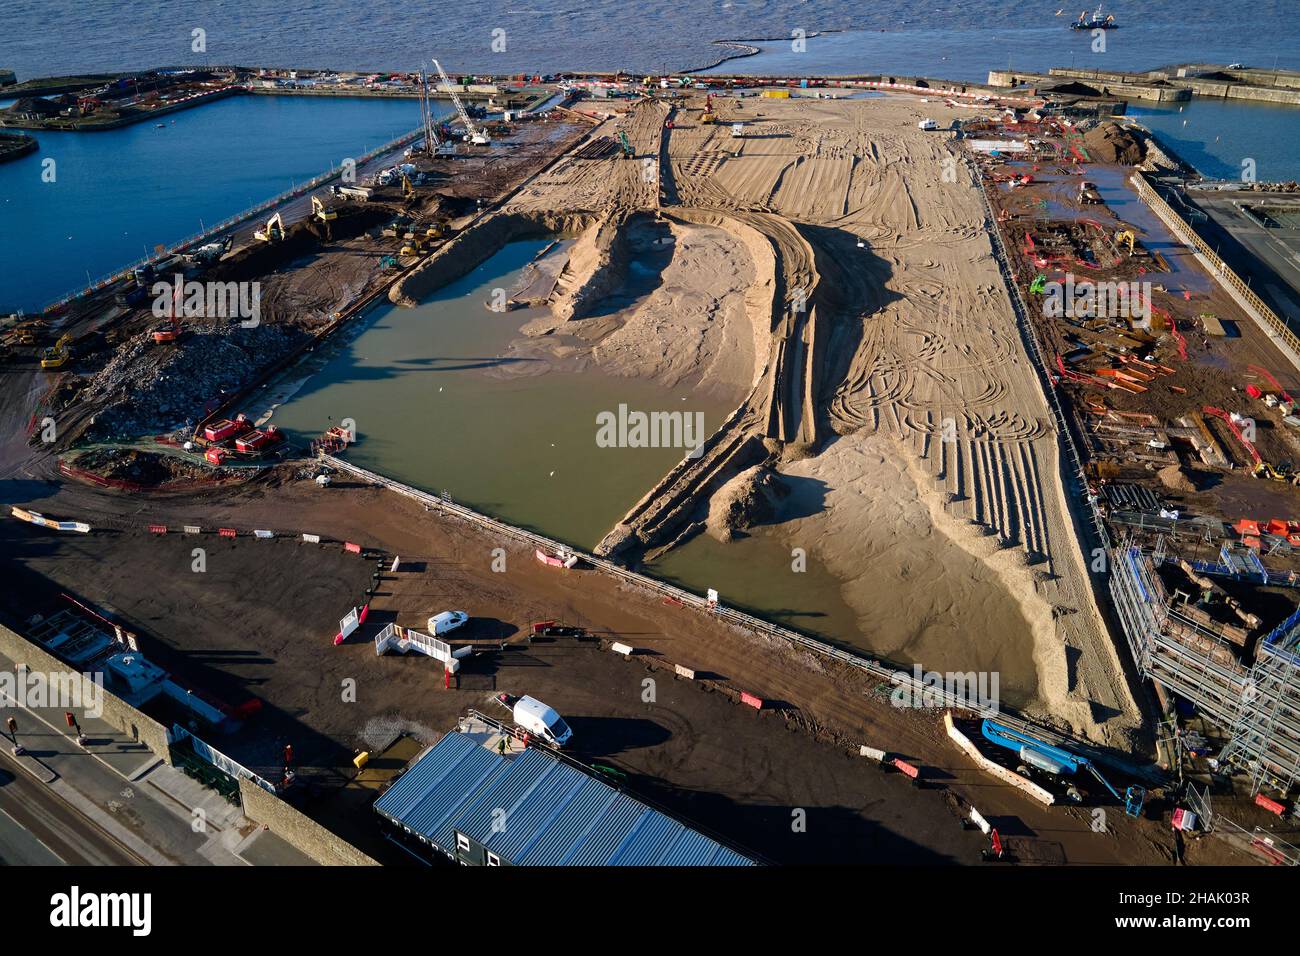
(322, 845)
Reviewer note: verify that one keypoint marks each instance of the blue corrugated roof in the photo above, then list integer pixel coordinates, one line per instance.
(536, 810)
(430, 793)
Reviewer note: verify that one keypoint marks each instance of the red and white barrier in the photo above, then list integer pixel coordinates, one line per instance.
(906, 768)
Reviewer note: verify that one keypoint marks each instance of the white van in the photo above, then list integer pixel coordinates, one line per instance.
(446, 622)
(537, 718)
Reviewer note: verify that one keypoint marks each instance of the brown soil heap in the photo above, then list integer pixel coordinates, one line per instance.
(1111, 143)
(752, 497)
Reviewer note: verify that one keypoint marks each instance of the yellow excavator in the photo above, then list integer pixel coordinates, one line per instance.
(58, 354)
(273, 231)
(320, 212)
(1265, 470)
(1126, 235)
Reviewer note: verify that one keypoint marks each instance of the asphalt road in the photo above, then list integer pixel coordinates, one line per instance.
(38, 828)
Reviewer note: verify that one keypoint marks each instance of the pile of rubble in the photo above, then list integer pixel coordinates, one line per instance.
(147, 389)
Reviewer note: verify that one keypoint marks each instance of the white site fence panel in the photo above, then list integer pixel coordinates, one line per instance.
(218, 759)
(404, 639)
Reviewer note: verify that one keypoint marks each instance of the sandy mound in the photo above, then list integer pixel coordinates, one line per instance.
(1175, 479)
(752, 497)
(1111, 143)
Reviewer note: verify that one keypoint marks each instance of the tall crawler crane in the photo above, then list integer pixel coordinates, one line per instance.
(476, 135)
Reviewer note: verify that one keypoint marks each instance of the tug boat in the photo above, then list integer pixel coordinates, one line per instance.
(1095, 22)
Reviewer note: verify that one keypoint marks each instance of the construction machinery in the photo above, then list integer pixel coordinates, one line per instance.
(433, 144)
(320, 212)
(408, 190)
(169, 332)
(56, 356)
(472, 132)
(1057, 761)
(273, 231)
(1126, 235)
(211, 251)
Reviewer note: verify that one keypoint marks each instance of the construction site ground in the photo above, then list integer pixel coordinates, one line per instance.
(1130, 436)
(887, 372)
(259, 623)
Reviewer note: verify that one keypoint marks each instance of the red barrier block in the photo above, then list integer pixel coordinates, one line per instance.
(1272, 806)
(906, 767)
(349, 546)
(227, 532)
(365, 612)
(158, 528)
(751, 700)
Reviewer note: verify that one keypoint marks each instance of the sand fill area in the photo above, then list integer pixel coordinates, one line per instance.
(832, 268)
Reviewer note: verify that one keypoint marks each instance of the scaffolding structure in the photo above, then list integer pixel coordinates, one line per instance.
(1266, 734)
(1181, 648)
(1171, 642)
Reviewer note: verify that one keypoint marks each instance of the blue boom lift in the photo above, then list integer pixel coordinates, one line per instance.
(1057, 761)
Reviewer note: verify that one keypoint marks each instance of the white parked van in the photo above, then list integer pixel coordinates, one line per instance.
(537, 718)
(446, 622)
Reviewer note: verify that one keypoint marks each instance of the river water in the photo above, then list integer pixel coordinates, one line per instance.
(957, 38)
(116, 194)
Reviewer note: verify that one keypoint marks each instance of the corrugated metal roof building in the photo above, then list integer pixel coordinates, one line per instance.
(481, 808)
